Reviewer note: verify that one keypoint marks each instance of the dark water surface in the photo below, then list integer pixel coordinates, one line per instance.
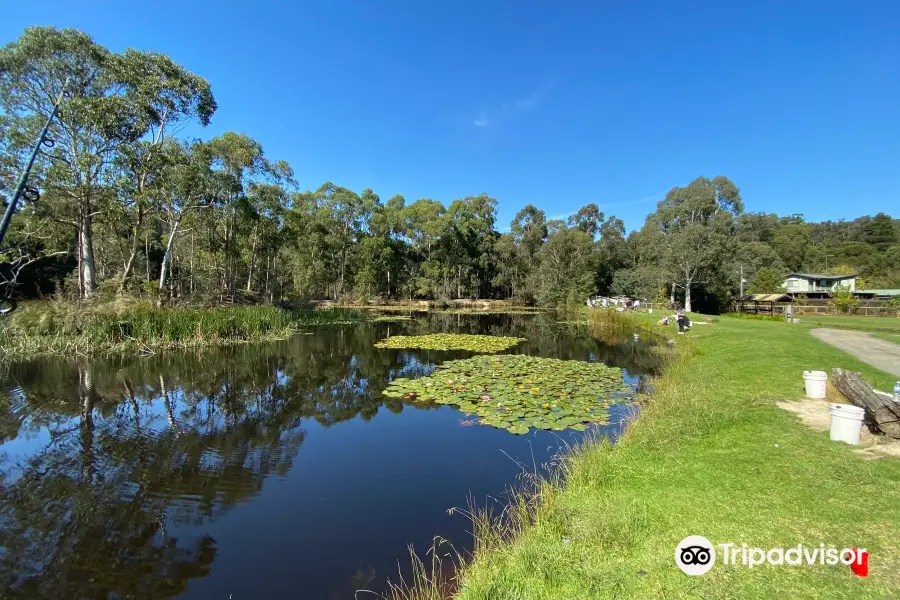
(270, 470)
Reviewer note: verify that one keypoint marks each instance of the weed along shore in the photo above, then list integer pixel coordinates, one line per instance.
(126, 325)
(710, 454)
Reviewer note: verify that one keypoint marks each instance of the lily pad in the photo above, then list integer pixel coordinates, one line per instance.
(515, 392)
(487, 344)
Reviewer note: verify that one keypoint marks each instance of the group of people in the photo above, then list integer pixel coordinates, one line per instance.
(620, 303)
(681, 320)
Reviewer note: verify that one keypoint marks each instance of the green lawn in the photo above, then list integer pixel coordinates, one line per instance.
(891, 337)
(710, 455)
(891, 324)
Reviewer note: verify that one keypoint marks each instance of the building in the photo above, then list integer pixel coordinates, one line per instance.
(877, 294)
(815, 284)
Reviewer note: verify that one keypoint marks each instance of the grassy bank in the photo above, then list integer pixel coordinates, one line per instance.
(128, 325)
(710, 455)
(890, 337)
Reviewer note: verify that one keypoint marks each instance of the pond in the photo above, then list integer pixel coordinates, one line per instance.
(273, 470)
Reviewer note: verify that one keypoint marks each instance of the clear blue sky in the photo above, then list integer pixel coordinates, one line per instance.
(606, 102)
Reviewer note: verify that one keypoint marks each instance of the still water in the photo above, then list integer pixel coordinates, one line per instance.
(270, 470)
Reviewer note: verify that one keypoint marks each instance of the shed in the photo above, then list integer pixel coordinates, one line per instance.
(760, 302)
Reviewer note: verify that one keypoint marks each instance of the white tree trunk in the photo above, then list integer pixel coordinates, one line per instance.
(687, 294)
(167, 258)
(87, 254)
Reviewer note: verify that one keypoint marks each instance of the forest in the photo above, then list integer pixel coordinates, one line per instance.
(130, 204)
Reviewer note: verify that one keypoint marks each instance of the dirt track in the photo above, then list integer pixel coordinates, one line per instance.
(877, 352)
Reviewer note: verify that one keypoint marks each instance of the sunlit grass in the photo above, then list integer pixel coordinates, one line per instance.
(890, 337)
(862, 323)
(711, 455)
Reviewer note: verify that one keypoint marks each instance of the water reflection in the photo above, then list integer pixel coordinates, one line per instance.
(123, 477)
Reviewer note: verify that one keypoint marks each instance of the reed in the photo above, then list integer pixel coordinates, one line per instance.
(82, 328)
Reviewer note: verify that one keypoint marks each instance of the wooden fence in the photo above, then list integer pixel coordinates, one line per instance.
(778, 308)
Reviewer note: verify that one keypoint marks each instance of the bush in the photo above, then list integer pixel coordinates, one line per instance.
(842, 299)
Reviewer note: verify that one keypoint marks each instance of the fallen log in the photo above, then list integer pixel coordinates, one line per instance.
(882, 412)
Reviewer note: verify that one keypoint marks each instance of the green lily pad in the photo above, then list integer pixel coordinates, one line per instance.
(487, 344)
(516, 392)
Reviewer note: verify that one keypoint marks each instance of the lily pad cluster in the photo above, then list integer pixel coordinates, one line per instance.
(517, 392)
(390, 318)
(451, 341)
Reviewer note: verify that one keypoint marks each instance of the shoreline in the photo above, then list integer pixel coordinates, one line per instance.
(710, 454)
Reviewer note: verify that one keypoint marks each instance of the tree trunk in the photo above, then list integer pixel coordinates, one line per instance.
(192, 264)
(79, 267)
(881, 412)
(672, 295)
(167, 258)
(252, 256)
(129, 266)
(87, 253)
(687, 294)
(340, 290)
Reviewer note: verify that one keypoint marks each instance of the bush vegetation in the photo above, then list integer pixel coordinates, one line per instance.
(125, 324)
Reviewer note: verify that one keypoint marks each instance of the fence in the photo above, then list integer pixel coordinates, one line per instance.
(770, 308)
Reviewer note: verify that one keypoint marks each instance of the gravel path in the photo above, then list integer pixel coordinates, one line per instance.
(878, 353)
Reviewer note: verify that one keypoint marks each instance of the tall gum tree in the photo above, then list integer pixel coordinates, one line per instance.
(110, 103)
(697, 222)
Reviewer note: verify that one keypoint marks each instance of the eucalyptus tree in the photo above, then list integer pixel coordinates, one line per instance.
(568, 262)
(171, 96)
(424, 225)
(470, 237)
(344, 213)
(529, 232)
(114, 106)
(697, 223)
(588, 218)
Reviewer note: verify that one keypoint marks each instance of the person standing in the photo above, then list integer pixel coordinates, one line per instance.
(680, 318)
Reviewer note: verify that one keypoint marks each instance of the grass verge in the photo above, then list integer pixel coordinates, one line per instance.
(710, 455)
(56, 327)
(890, 337)
(861, 323)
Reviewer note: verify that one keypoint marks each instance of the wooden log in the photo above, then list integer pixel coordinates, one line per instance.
(881, 412)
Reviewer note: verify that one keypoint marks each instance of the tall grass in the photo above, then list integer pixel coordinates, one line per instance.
(63, 327)
(613, 327)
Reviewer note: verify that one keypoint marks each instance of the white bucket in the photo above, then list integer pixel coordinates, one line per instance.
(815, 383)
(846, 423)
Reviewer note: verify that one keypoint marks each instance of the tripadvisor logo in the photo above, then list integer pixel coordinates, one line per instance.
(695, 555)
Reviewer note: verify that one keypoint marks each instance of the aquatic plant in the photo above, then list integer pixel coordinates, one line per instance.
(516, 392)
(514, 310)
(390, 318)
(487, 344)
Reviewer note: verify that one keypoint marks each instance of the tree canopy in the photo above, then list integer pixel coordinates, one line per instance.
(131, 206)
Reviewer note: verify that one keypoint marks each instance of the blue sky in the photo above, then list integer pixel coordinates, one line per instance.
(555, 104)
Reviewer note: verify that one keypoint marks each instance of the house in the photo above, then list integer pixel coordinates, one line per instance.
(817, 284)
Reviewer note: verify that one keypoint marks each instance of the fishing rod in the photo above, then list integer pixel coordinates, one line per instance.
(25, 191)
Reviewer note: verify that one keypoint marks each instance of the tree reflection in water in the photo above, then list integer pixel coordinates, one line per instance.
(111, 455)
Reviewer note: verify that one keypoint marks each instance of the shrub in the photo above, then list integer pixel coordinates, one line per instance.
(842, 299)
